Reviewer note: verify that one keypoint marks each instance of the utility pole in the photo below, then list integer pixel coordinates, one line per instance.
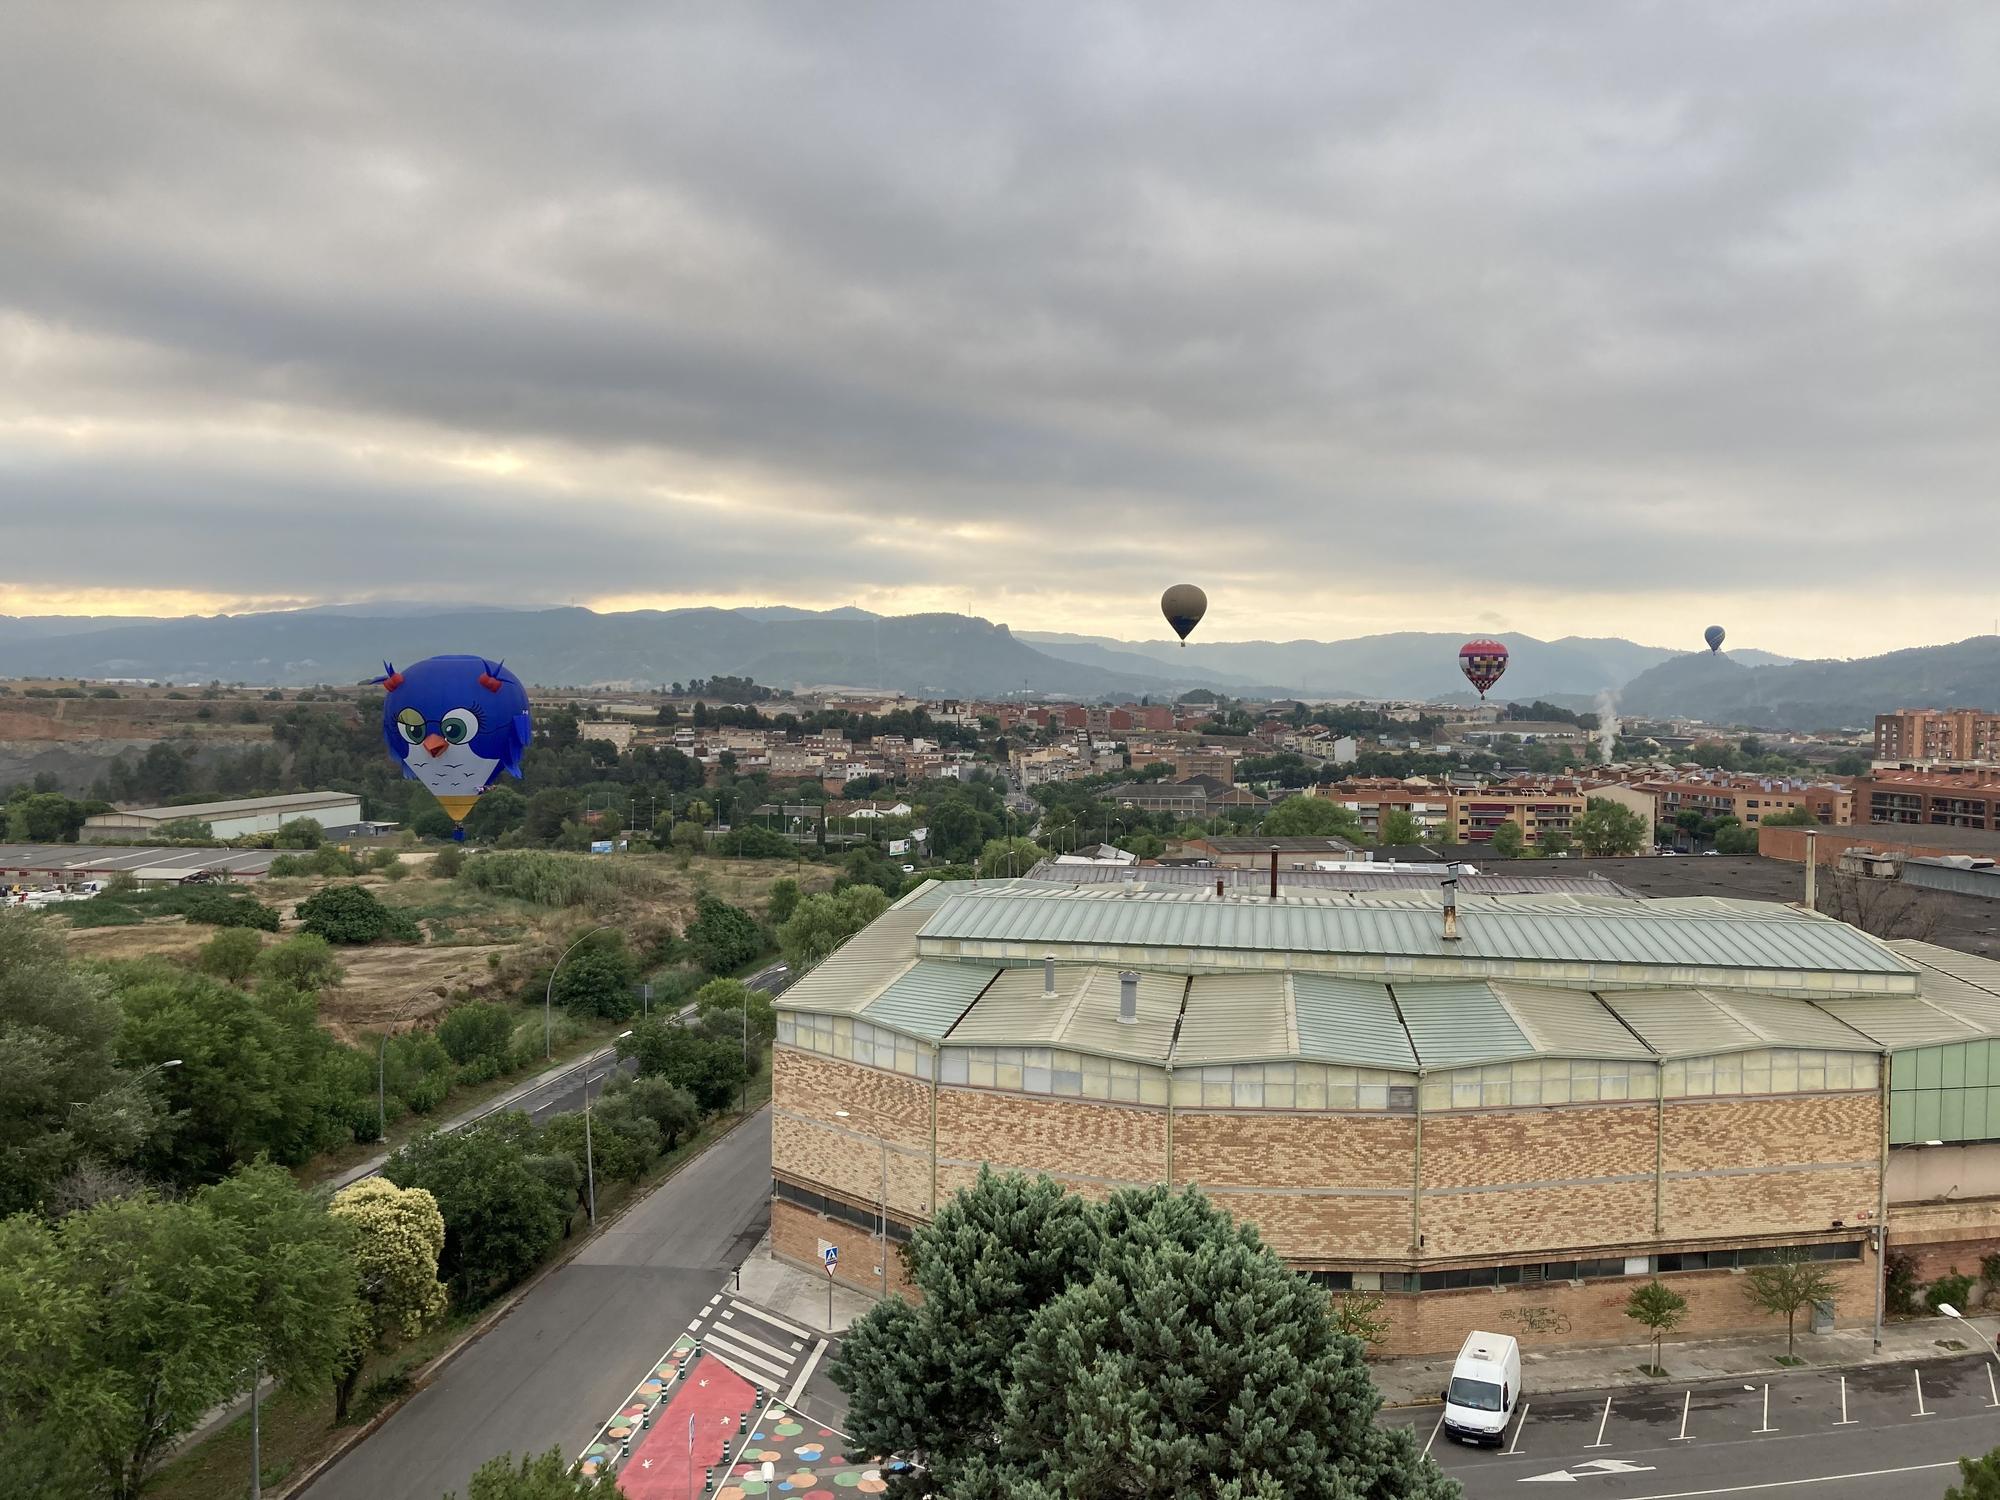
(256, 1457)
(381, 1095)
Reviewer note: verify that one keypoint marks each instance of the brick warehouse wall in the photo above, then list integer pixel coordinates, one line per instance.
(1771, 1166)
(809, 1143)
(1248, 1161)
(1558, 1314)
(796, 1235)
(1081, 1144)
(1500, 1181)
(1945, 1237)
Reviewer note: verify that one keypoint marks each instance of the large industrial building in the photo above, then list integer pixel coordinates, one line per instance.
(1497, 1111)
(231, 820)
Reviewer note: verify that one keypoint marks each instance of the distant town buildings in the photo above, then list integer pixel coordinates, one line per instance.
(1926, 734)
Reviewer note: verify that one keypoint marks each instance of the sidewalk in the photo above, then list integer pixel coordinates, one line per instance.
(1417, 1380)
(798, 1294)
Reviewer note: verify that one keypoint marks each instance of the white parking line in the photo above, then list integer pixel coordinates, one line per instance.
(1602, 1422)
(1845, 1420)
(1785, 1484)
(1434, 1432)
(1991, 1388)
(1515, 1446)
(1920, 1412)
(1767, 1427)
(1687, 1400)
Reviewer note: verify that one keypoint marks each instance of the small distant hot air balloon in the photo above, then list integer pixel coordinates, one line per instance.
(1183, 605)
(455, 723)
(1713, 635)
(1482, 662)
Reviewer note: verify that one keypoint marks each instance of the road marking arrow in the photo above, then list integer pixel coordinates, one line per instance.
(1586, 1470)
(1560, 1476)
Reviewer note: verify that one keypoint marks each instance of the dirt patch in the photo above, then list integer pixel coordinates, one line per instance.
(164, 937)
(397, 988)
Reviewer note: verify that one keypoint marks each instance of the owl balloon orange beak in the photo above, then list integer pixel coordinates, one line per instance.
(437, 744)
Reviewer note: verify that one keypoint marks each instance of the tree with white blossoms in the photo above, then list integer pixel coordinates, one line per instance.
(396, 1235)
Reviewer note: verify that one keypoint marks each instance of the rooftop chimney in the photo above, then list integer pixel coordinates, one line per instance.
(1812, 869)
(1451, 910)
(1048, 976)
(1128, 998)
(1218, 886)
(1274, 872)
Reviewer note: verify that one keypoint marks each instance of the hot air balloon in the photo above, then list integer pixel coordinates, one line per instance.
(1713, 635)
(1482, 662)
(455, 723)
(1183, 605)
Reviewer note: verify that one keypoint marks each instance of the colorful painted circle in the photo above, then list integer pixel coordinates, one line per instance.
(812, 1453)
(872, 1486)
(729, 1492)
(769, 1456)
(754, 1487)
(789, 1429)
(848, 1480)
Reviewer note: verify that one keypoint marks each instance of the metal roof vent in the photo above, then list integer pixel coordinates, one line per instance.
(1048, 976)
(1451, 910)
(1128, 998)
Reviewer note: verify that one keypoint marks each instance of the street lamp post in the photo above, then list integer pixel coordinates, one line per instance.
(589, 1157)
(145, 1073)
(381, 1092)
(883, 1222)
(1957, 1317)
(549, 993)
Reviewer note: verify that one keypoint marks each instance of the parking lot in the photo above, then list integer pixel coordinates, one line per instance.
(1886, 1430)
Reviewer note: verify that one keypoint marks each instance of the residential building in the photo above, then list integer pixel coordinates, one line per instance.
(1967, 799)
(1373, 798)
(1925, 734)
(1205, 761)
(1750, 799)
(1234, 852)
(1475, 816)
(618, 733)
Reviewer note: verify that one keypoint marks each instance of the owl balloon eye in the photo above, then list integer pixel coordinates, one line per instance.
(459, 725)
(412, 725)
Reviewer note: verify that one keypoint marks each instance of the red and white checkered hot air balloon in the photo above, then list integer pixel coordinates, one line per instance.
(1482, 662)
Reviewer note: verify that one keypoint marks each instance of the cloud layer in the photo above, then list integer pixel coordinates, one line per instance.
(1597, 320)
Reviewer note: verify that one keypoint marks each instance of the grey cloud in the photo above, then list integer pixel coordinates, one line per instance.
(1296, 293)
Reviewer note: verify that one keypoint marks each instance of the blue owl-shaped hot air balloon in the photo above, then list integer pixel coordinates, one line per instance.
(455, 723)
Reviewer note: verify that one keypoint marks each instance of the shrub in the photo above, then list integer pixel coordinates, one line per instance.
(304, 963)
(477, 1030)
(231, 954)
(596, 980)
(300, 833)
(223, 909)
(418, 1071)
(1954, 1288)
(557, 880)
(722, 937)
(287, 865)
(1989, 1269)
(447, 862)
(1899, 1284)
(353, 914)
(395, 870)
(331, 859)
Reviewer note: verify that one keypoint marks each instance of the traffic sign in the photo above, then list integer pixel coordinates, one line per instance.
(831, 1255)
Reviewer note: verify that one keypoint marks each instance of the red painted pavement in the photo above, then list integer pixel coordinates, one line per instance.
(717, 1398)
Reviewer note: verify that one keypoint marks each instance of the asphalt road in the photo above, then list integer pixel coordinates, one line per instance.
(1892, 1430)
(549, 1371)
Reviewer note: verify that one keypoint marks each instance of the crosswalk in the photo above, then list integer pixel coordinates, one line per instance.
(774, 1353)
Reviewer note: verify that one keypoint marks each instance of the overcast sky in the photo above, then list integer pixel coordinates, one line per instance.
(1589, 318)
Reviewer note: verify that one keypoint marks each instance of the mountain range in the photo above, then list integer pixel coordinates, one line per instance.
(950, 655)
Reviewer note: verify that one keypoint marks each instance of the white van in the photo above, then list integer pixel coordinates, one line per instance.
(1485, 1388)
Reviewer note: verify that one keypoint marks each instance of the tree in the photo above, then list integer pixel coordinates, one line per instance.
(1607, 828)
(231, 954)
(352, 914)
(597, 979)
(58, 1050)
(1782, 1287)
(1980, 1478)
(500, 1217)
(1659, 1309)
(687, 840)
(305, 963)
(304, 1310)
(1554, 841)
(434, 823)
(477, 1029)
(1399, 829)
(672, 1110)
(709, 1068)
(623, 1142)
(1146, 1346)
(1735, 838)
(1001, 858)
(184, 830)
(1792, 817)
(723, 937)
(547, 1476)
(1508, 842)
(824, 921)
(299, 833)
(1361, 1315)
(783, 900)
(395, 1236)
(1312, 817)
(723, 1004)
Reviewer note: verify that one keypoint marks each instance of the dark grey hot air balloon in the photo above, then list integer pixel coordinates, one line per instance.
(1183, 605)
(1713, 635)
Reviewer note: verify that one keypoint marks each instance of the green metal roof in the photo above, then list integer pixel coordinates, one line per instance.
(1083, 1016)
(1568, 1023)
(1457, 1024)
(1024, 920)
(850, 977)
(1351, 1022)
(1793, 1023)
(1682, 1023)
(1900, 1021)
(1236, 1018)
(927, 998)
